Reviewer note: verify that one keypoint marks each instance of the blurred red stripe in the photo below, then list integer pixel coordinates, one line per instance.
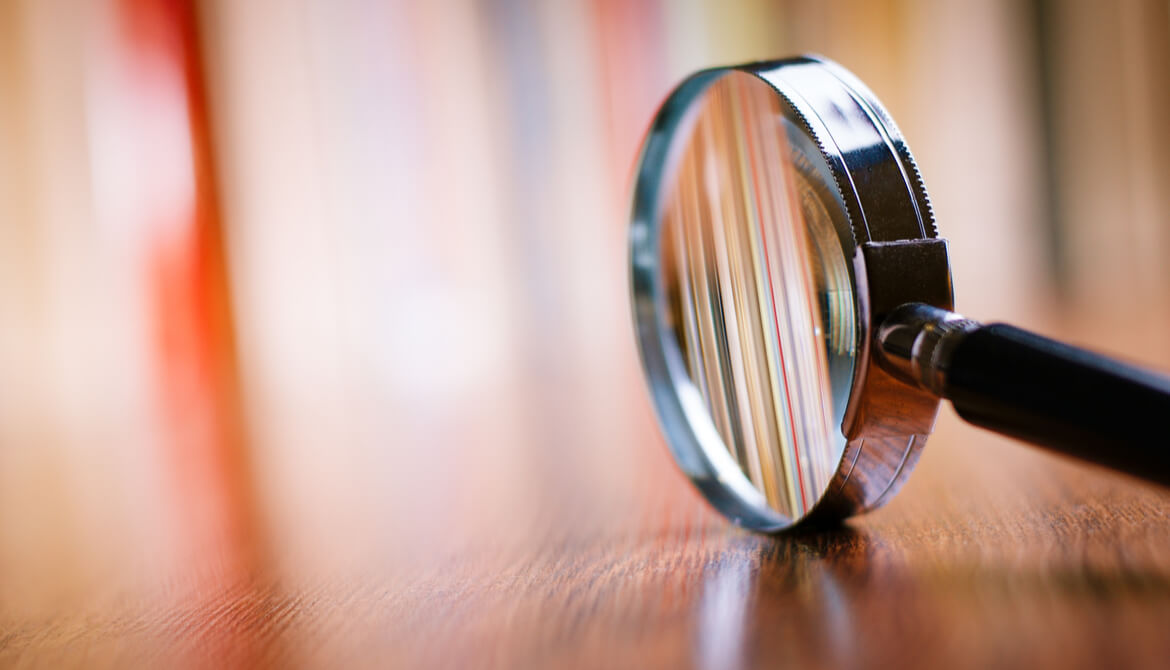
(186, 270)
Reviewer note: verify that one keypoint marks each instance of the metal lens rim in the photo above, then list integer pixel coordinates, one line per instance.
(890, 215)
(691, 435)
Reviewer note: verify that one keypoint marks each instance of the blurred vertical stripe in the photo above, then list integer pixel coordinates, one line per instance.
(154, 175)
(1108, 152)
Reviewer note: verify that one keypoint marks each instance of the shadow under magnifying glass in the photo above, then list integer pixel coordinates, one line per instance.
(843, 596)
(788, 599)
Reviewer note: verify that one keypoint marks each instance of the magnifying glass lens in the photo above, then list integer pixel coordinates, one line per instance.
(758, 287)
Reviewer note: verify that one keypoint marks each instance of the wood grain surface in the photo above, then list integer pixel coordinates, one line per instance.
(993, 556)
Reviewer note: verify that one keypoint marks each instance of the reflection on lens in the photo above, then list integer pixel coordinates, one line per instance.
(758, 290)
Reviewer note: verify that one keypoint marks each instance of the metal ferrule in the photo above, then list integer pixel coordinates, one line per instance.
(916, 343)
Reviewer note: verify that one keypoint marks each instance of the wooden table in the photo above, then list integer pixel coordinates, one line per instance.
(992, 556)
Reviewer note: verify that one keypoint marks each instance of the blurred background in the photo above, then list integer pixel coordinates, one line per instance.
(293, 286)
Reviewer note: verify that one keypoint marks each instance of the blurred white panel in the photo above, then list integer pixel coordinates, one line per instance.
(361, 155)
(283, 254)
(972, 119)
(74, 428)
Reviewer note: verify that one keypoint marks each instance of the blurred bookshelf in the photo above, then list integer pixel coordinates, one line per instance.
(413, 214)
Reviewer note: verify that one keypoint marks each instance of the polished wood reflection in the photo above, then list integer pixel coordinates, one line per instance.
(993, 556)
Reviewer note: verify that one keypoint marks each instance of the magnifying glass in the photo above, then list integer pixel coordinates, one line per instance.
(794, 311)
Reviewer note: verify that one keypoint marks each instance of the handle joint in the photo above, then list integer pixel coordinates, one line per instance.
(916, 342)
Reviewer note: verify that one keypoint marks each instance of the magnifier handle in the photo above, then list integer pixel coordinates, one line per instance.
(1035, 389)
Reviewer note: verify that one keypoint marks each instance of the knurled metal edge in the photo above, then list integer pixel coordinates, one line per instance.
(925, 206)
(896, 137)
(853, 213)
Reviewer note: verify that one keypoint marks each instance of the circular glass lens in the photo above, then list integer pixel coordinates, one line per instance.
(758, 288)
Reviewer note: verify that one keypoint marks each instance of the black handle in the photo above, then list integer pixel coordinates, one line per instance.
(1063, 398)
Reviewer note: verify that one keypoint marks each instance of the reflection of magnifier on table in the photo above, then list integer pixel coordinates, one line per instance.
(792, 300)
